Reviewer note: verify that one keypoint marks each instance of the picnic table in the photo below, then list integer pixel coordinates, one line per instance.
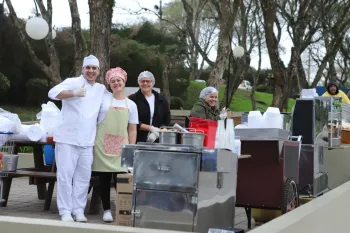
(40, 175)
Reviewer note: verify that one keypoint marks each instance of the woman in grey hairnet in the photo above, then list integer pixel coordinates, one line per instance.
(206, 107)
(153, 109)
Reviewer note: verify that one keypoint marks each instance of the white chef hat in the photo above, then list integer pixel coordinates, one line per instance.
(206, 92)
(146, 74)
(91, 60)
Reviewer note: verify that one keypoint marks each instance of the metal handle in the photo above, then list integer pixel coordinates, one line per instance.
(219, 180)
(136, 213)
(297, 138)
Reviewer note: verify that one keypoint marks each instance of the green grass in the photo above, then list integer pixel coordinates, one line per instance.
(24, 113)
(241, 100)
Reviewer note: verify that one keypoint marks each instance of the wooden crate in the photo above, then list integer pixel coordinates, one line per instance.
(345, 136)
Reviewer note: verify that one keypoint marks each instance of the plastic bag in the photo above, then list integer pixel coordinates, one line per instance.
(49, 117)
(49, 107)
(9, 122)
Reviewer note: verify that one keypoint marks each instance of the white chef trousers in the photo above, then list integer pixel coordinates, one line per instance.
(73, 177)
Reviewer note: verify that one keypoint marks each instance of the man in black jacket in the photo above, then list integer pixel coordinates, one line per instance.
(153, 109)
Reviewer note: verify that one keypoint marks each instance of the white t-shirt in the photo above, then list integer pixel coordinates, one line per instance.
(150, 101)
(106, 103)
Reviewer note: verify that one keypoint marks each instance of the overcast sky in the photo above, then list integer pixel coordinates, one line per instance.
(61, 18)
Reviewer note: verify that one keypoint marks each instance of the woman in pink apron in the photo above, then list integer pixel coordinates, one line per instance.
(117, 123)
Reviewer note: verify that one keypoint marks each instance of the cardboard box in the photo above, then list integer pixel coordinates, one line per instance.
(124, 200)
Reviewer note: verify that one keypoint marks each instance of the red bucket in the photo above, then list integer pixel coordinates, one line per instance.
(208, 127)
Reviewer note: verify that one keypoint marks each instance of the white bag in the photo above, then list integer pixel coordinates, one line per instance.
(49, 116)
(9, 122)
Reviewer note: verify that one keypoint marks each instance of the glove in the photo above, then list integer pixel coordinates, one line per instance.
(155, 131)
(79, 92)
(152, 137)
(223, 114)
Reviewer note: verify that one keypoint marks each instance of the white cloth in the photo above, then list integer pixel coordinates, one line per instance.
(91, 60)
(73, 165)
(151, 100)
(77, 125)
(133, 113)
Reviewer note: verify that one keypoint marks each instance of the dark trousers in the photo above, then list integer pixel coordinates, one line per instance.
(105, 187)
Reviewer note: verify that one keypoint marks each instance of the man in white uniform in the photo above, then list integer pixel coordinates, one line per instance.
(81, 100)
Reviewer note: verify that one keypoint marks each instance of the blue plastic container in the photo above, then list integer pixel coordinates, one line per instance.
(49, 154)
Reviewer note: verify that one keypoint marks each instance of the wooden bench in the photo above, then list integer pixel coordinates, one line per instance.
(38, 177)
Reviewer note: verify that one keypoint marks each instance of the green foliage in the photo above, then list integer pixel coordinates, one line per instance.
(179, 82)
(241, 101)
(4, 85)
(37, 90)
(176, 103)
(135, 58)
(263, 88)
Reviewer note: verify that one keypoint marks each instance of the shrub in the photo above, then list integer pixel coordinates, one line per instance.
(263, 88)
(176, 102)
(37, 90)
(4, 85)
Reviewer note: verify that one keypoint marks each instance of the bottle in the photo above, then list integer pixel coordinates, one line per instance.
(237, 146)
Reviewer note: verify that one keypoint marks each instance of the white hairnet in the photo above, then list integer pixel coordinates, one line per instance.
(206, 92)
(146, 74)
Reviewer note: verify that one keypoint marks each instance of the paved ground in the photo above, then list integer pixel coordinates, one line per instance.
(23, 202)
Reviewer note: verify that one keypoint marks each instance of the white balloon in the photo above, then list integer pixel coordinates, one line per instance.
(238, 51)
(54, 33)
(37, 28)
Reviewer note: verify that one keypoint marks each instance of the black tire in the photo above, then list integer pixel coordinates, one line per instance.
(290, 196)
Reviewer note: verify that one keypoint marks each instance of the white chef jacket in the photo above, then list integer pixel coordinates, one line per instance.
(77, 125)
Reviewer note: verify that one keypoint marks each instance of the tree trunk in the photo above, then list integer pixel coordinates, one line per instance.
(227, 19)
(165, 78)
(78, 39)
(269, 8)
(101, 12)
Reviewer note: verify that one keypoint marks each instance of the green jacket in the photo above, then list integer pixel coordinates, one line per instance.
(202, 110)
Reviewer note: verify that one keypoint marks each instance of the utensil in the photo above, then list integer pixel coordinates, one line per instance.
(180, 128)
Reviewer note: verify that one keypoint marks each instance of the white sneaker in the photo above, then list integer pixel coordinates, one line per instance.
(67, 218)
(107, 216)
(80, 217)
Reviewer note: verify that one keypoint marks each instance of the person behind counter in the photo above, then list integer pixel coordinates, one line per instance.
(153, 109)
(333, 90)
(117, 122)
(75, 135)
(206, 107)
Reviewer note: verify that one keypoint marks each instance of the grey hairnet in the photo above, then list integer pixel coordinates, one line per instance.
(146, 74)
(206, 92)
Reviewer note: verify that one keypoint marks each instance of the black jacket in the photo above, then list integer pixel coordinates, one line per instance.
(161, 116)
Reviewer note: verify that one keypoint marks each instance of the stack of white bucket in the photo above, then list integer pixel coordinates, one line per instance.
(272, 118)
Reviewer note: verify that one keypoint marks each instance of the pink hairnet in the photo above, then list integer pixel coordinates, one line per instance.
(116, 72)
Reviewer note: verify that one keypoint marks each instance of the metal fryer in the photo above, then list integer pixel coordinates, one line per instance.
(178, 187)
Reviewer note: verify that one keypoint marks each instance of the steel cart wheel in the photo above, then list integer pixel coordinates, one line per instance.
(290, 196)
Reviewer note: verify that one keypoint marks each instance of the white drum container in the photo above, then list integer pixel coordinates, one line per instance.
(255, 119)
